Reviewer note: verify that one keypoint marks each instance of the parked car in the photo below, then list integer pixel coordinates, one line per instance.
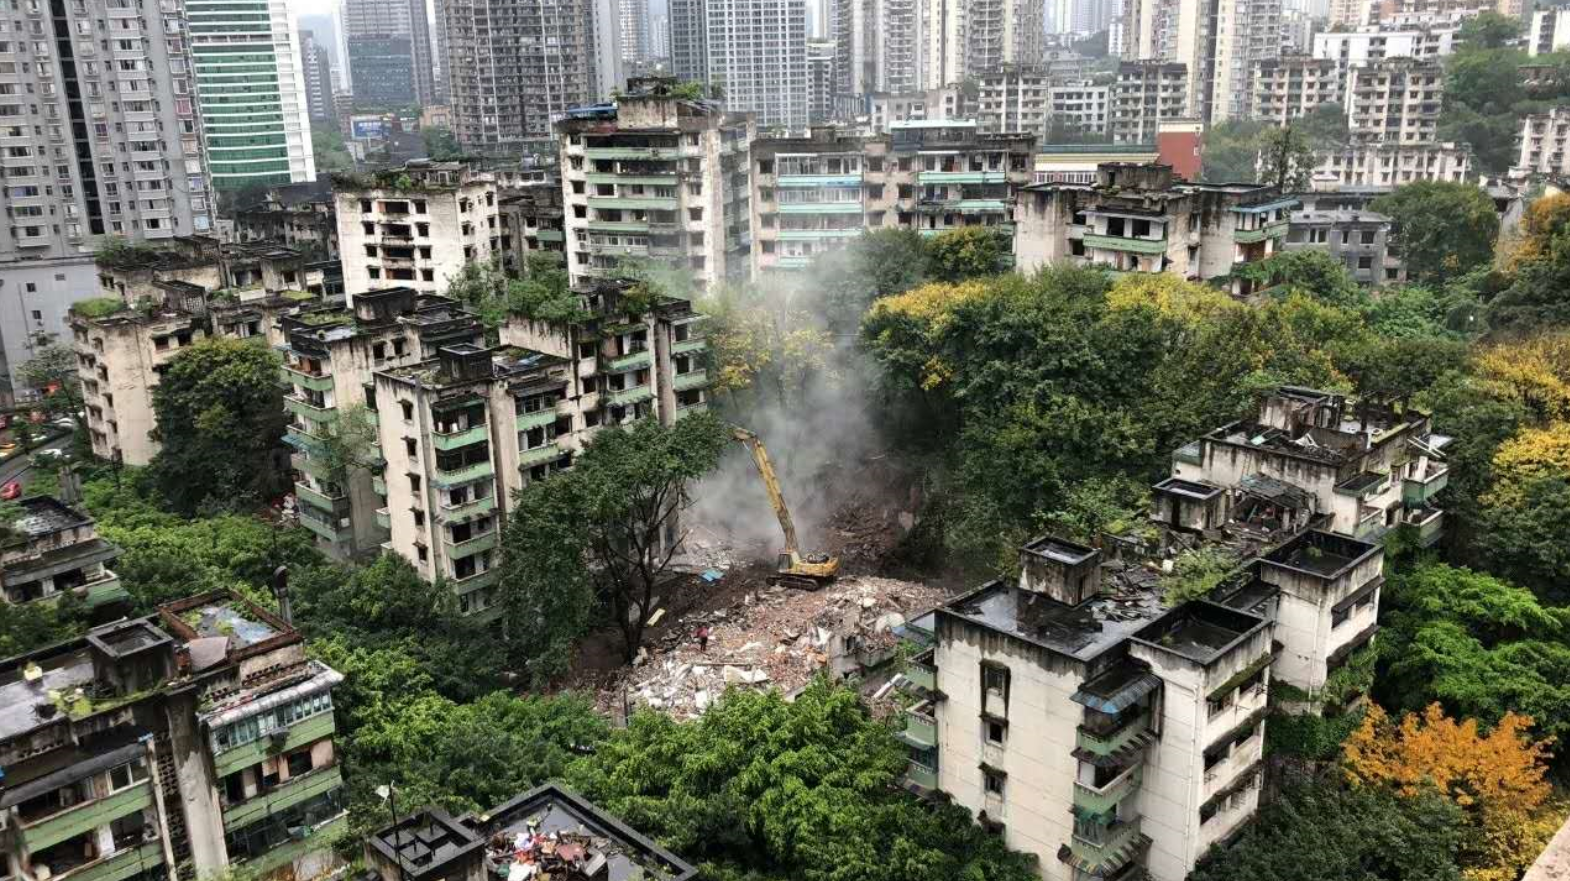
(11, 491)
(50, 453)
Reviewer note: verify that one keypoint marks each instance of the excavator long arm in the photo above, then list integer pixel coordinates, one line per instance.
(771, 482)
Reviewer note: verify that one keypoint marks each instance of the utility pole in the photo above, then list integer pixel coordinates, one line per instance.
(390, 795)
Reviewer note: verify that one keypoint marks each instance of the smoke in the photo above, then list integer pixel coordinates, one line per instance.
(812, 405)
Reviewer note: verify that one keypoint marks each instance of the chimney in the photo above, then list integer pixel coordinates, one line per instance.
(281, 592)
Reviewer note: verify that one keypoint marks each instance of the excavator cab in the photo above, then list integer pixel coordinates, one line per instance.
(808, 572)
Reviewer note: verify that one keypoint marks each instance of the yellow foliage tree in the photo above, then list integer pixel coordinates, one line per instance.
(1497, 778)
(1533, 371)
(1544, 219)
(1174, 297)
(922, 314)
(1533, 454)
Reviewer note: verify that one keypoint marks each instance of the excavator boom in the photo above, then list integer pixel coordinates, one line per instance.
(771, 483)
(811, 572)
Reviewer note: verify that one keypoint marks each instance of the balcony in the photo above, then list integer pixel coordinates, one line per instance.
(468, 510)
(921, 727)
(1418, 491)
(619, 226)
(1275, 230)
(1106, 850)
(331, 529)
(644, 153)
(921, 672)
(461, 438)
(1429, 523)
(962, 177)
(307, 410)
(477, 471)
(283, 796)
(471, 583)
(820, 208)
(693, 344)
(383, 518)
(537, 419)
(921, 777)
(85, 817)
(814, 234)
(379, 486)
(321, 500)
(308, 730)
(103, 591)
(629, 361)
(316, 382)
(634, 203)
(1104, 799)
(539, 455)
(1121, 243)
(629, 396)
(813, 181)
(470, 546)
(123, 863)
(643, 179)
(690, 380)
(1134, 733)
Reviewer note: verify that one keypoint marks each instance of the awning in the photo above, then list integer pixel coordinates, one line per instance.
(325, 678)
(1119, 699)
(68, 775)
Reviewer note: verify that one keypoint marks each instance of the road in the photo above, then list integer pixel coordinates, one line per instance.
(17, 466)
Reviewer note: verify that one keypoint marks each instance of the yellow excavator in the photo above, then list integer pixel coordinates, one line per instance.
(792, 568)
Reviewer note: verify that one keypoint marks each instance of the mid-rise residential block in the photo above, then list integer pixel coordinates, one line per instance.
(1543, 141)
(416, 226)
(1396, 101)
(1292, 86)
(1144, 95)
(1390, 165)
(1139, 218)
(52, 550)
(656, 175)
(1360, 240)
(199, 737)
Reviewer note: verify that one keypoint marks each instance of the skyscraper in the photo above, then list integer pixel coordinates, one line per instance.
(755, 50)
(252, 92)
(101, 137)
(878, 46)
(660, 36)
(318, 79)
(1218, 41)
(514, 66)
(390, 60)
(634, 18)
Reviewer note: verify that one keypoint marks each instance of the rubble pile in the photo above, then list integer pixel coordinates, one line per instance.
(772, 637)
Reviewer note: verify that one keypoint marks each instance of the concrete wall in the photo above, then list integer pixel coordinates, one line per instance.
(35, 297)
(1304, 621)
(1037, 753)
(445, 238)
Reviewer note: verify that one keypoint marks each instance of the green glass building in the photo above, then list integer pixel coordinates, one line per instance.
(251, 90)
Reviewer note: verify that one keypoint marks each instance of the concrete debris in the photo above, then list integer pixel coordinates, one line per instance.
(770, 637)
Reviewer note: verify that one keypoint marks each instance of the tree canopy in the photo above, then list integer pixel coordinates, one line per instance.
(1441, 229)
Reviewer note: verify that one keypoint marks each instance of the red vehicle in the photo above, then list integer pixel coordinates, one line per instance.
(11, 491)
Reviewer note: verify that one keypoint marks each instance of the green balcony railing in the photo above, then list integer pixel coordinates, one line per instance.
(630, 396)
(85, 817)
(1111, 742)
(308, 730)
(815, 181)
(470, 547)
(124, 863)
(618, 226)
(307, 410)
(687, 346)
(322, 382)
(474, 582)
(379, 486)
(331, 532)
(550, 235)
(315, 839)
(1417, 493)
(537, 419)
(539, 455)
(921, 729)
(1107, 851)
(962, 177)
(453, 440)
(690, 380)
(644, 179)
(469, 510)
(630, 361)
(1270, 231)
(1104, 799)
(318, 498)
(477, 471)
(105, 591)
(820, 208)
(922, 674)
(689, 409)
(634, 203)
(1121, 243)
(289, 793)
(921, 776)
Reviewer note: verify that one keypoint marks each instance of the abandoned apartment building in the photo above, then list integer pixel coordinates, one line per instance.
(1140, 218)
(461, 431)
(155, 302)
(548, 832)
(198, 737)
(52, 549)
(1117, 736)
(331, 354)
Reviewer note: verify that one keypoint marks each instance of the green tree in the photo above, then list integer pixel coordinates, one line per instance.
(52, 371)
(1232, 152)
(328, 148)
(28, 626)
(1488, 30)
(1286, 159)
(220, 418)
(605, 530)
(766, 789)
(969, 252)
(1321, 832)
(1324, 127)
(1478, 645)
(440, 144)
(1442, 229)
(875, 264)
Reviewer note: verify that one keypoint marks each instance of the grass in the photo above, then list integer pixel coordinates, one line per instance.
(98, 307)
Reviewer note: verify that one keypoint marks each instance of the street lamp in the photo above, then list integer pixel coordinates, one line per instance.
(390, 795)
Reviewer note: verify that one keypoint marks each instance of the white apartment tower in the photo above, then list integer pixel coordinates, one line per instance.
(634, 18)
(655, 176)
(1218, 41)
(878, 46)
(1395, 101)
(1291, 86)
(513, 67)
(1545, 144)
(755, 50)
(1145, 94)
